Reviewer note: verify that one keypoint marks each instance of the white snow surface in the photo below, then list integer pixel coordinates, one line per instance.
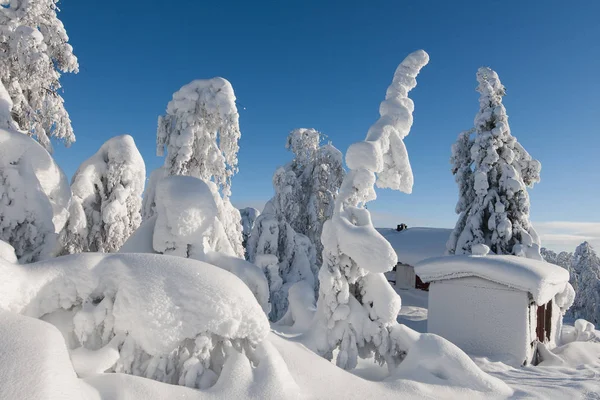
(414, 245)
(34, 362)
(7, 252)
(543, 280)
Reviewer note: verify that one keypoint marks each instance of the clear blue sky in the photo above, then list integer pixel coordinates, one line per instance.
(327, 64)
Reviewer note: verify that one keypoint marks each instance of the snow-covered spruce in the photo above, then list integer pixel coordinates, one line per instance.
(249, 216)
(292, 221)
(563, 259)
(34, 52)
(187, 225)
(107, 198)
(170, 319)
(200, 132)
(149, 197)
(357, 308)
(494, 203)
(585, 274)
(34, 197)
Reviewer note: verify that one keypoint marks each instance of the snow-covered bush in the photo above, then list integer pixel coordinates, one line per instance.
(34, 51)
(170, 319)
(149, 198)
(107, 198)
(34, 197)
(585, 274)
(357, 308)
(187, 224)
(292, 221)
(493, 172)
(201, 132)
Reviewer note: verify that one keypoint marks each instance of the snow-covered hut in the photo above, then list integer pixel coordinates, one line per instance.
(496, 305)
(413, 245)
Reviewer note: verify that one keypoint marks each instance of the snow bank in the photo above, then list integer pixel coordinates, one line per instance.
(34, 362)
(414, 245)
(543, 280)
(180, 319)
(35, 196)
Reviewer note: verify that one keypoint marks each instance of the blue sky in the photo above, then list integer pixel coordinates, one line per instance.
(327, 64)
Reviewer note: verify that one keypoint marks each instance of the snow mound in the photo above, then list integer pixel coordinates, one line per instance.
(7, 252)
(34, 362)
(181, 319)
(141, 242)
(543, 280)
(414, 245)
(434, 360)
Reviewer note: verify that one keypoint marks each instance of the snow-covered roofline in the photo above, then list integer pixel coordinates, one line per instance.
(543, 280)
(414, 245)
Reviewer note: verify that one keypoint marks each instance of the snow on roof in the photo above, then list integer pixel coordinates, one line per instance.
(414, 245)
(543, 280)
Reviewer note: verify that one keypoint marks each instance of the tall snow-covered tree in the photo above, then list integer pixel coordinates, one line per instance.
(357, 308)
(107, 198)
(586, 275)
(495, 212)
(563, 259)
(200, 132)
(34, 51)
(249, 216)
(286, 241)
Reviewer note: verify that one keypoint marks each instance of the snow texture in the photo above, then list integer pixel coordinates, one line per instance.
(180, 320)
(35, 51)
(493, 172)
(414, 245)
(7, 252)
(357, 308)
(149, 200)
(34, 362)
(541, 279)
(107, 198)
(34, 197)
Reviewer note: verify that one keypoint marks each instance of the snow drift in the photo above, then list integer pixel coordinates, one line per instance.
(178, 320)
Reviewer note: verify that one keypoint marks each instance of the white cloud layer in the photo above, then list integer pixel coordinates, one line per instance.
(567, 235)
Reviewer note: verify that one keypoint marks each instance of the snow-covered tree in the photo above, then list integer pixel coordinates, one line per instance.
(34, 196)
(200, 132)
(286, 256)
(107, 198)
(563, 259)
(34, 51)
(586, 275)
(357, 308)
(292, 221)
(494, 203)
(249, 215)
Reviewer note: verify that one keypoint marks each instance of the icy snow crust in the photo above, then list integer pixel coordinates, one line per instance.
(414, 245)
(543, 280)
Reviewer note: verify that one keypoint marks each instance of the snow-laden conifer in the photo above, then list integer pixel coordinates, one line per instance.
(34, 52)
(200, 132)
(107, 190)
(585, 272)
(357, 308)
(494, 203)
(291, 223)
